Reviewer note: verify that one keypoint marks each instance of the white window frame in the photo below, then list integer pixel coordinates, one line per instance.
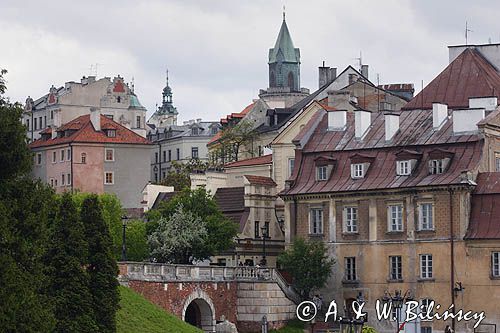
(54, 156)
(62, 152)
(193, 150)
(357, 170)
(436, 166)
(38, 158)
(398, 217)
(351, 219)
(395, 268)
(63, 179)
(426, 216)
(426, 266)
(316, 221)
(68, 180)
(495, 264)
(112, 178)
(68, 154)
(350, 271)
(321, 173)
(291, 165)
(106, 154)
(424, 305)
(403, 168)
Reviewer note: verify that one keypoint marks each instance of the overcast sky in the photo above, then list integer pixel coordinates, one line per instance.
(216, 51)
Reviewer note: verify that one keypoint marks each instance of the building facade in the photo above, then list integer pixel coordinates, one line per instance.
(94, 154)
(114, 98)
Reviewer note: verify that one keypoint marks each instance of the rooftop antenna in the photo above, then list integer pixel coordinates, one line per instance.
(467, 30)
(166, 74)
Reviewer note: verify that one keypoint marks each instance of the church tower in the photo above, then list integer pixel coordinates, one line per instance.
(166, 114)
(284, 61)
(284, 72)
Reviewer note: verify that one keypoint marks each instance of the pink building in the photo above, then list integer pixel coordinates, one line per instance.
(93, 153)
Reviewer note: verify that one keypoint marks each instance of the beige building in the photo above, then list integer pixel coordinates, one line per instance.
(404, 200)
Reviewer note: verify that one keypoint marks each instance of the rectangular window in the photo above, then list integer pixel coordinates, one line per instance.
(497, 160)
(63, 177)
(178, 154)
(351, 219)
(425, 304)
(321, 172)
(164, 156)
(396, 269)
(266, 229)
(164, 174)
(52, 114)
(40, 121)
(34, 124)
(425, 329)
(84, 158)
(425, 216)
(395, 218)
(68, 178)
(55, 182)
(54, 157)
(194, 152)
(62, 155)
(45, 120)
(357, 170)
(28, 124)
(156, 177)
(350, 268)
(257, 229)
(156, 157)
(403, 168)
(436, 167)
(138, 122)
(316, 221)
(169, 155)
(426, 266)
(68, 154)
(291, 164)
(38, 158)
(109, 155)
(108, 178)
(495, 264)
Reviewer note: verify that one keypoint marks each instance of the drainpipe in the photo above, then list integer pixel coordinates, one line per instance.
(452, 255)
(159, 161)
(71, 164)
(294, 218)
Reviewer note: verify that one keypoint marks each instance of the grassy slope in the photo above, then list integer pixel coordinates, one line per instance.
(138, 315)
(294, 326)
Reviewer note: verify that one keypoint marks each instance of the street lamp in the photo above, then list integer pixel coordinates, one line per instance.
(264, 236)
(124, 245)
(397, 302)
(349, 325)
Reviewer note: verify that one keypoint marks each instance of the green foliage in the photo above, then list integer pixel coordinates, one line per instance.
(101, 265)
(293, 326)
(309, 265)
(178, 175)
(231, 142)
(69, 281)
(136, 238)
(138, 315)
(220, 231)
(368, 329)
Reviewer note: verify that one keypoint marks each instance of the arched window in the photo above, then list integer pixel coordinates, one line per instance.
(291, 80)
(84, 158)
(272, 79)
(118, 99)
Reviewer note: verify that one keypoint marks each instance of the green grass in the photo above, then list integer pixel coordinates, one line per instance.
(293, 326)
(138, 315)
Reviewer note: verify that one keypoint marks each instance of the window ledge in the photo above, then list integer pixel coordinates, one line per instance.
(316, 235)
(394, 232)
(347, 233)
(426, 280)
(426, 231)
(350, 282)
(395, 281)
(494, 277)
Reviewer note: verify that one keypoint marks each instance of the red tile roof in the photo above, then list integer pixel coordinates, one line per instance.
(238, 115)
(85, 132)
(485, 211)
(267, 159)
(260, 180)
(469, 75)
(215, 138)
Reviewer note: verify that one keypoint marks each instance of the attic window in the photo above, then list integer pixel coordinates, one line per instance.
(321, 172)
(357, 170)
(214, 130)
(403, 168)
(111, 133)
(195, 131)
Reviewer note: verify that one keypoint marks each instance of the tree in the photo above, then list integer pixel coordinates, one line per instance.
(25, 208)
(69, 280)
(308, 264)
(101, 265)
(220, 230)
(136, 238)
(231, 142)
(178, 239)
(178, 175)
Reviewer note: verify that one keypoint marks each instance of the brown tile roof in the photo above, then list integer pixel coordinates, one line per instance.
(469, 75)
(485, 211)
(238, 115)
(260, 180)
(266, 159)
(231, 201)
(163, 197)
(85, 132)
(215, 138)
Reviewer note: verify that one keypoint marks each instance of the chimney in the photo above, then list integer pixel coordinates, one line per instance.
(198, 120)
(338, 98)
(439, 115)
(489, 51)
(391, 125)
(57, 118)
(465, 120)
(362, 122)
(95, 118)
(337, 120)
(326, 75)
(487, 103)
(364, 71)
(84, 80)
(91, 79)
(53, 132)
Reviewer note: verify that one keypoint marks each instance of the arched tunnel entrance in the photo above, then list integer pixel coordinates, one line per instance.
(200, 314)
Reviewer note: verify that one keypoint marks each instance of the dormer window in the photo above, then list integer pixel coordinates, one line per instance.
(321, 172)
(403, 168)
(195, 131)
(357, 170)
(439, 159)
(111, 133)
(436, 167)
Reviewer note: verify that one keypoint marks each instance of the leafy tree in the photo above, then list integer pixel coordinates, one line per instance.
(308, 264)
(136, 238)
(101, 265)
(231, 142)
(178, 175)
(220, 230)
(178, 238)
(25, 208)
(69, 283)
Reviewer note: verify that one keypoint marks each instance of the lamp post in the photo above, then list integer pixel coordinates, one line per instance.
(349, 325)
(397, 302)
(264, 236)
(124, 245)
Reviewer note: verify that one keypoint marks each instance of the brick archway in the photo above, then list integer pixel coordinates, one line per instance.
(204, 306)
